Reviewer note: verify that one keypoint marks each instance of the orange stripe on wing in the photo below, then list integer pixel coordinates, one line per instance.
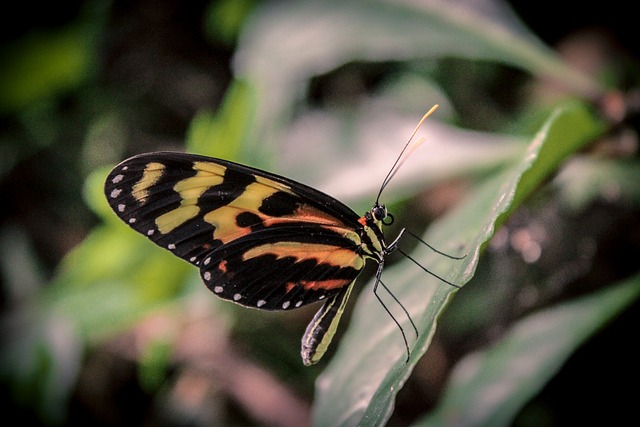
(306, 213)
(319, 284)
(329, 254)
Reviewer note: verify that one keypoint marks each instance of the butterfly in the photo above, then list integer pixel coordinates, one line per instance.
(259, 239)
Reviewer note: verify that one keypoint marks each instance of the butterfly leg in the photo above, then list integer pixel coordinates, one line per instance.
(375, 292)
(394, 245)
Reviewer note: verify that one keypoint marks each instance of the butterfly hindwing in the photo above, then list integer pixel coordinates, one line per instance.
(282, 268)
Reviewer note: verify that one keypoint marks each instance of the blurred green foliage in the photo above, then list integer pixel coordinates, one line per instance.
(66, 55)
(530, 168)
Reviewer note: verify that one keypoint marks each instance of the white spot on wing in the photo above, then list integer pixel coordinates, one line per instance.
(150, 232)
(192, 259)
(121, 207)
(115, 192)
(171, 246)
(132, 220)
(286, 304)
(207, 277)
(218, 289)
(261, 303)
(299, 303)
(237, 297)
(116, 179)
(207, 261)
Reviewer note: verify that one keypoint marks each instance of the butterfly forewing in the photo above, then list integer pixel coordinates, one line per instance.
(260, 240)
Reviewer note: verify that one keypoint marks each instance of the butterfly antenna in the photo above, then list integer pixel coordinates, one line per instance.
(415, 236)
(429, 271)
(407, 150)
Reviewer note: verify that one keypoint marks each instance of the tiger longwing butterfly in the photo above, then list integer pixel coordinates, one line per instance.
(259, 239)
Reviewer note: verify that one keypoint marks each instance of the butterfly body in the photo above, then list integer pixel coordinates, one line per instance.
(259, 239)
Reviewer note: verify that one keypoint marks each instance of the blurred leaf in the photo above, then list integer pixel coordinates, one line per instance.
(280, 66)
(386, 30)
(224, 19)
(488, 388)
(155, 364)
(367, 371)
(586, 179)
(40, 362)
(93, 194)
(224, 133)
(22, 275)
(113, 278)
(44, 65)
(563, 138)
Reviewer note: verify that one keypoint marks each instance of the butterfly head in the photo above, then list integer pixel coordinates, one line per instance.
(379, 214)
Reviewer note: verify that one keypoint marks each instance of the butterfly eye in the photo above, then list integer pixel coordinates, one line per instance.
(379, 212)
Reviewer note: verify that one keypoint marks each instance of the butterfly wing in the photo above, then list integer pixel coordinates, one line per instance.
(260, 239)
(282, 267)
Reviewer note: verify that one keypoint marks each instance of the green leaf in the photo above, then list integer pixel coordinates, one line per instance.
(40, 364)
(586, 179)
(280, 67)
(223, 19)
(564, 137)
(155, 364)
(113, 278)
(224, 134)
(360, 384)
(44, 65)
(488, 388)
(382, 30)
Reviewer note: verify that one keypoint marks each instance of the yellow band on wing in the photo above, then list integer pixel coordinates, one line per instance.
(190, 190)
(152, 173)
